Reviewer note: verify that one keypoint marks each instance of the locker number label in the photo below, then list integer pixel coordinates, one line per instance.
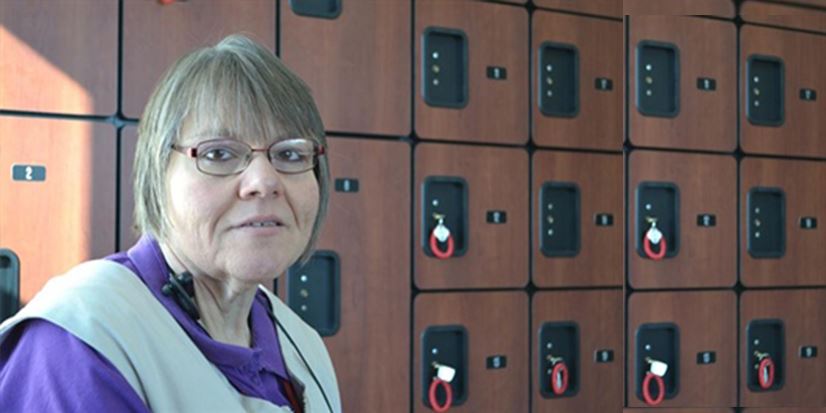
(28, 173)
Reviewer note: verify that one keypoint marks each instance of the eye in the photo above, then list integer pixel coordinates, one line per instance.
(219, 154)
(291, 155)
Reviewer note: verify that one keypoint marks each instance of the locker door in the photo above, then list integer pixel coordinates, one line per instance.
(692, 198)
(59, 57)
(578, 239)
(471, 71)
(781, 80)
(58, 202)
(678, 97)
(595, 374)
(577, 79)
(482, 336)
(789, 15)
(367, 231)
(786, 326)
(480, 195)
(609, 8)
(781, 232)
(357, 63)
(719, 8)
(157, 34)
(704, 372)
(128, 141)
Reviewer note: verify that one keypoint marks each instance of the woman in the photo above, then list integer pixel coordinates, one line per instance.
(230, 190)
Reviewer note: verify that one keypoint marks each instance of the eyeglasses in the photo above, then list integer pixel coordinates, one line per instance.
(223, 157)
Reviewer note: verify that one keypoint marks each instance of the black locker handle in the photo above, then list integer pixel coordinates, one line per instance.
(9, 283)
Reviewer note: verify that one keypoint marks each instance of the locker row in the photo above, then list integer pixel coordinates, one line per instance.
(483, 217)
(472, 80)
(577, 356)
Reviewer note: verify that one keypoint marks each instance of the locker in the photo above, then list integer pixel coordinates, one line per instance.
(677, 98)
(786, 410)
(677, 410)
(360, 84)
(692, 198)
(597, 224)
(58, 204)
(156, 34)
(367, 230)
(787, 15)
(782, 112)
(595, 375)
(593, 47)
(781, 240)
(483, 334)
(718, 8)
(608, 8)
(59, 57)
(479, 195)
(703, 373)
(787, 328)
(471, 72)
(128, 141)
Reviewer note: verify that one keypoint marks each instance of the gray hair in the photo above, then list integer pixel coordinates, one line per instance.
(237, 86)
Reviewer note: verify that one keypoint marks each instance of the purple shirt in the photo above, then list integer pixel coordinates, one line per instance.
(45, 368)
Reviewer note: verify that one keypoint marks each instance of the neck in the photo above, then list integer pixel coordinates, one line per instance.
(224, 310)
(224, 306)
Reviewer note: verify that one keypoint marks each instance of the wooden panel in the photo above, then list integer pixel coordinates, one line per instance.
(719, 8)
(369, 230)
(155, 35)
(677, 410)
(497, 254)
(600, 259)
(54, 224)
(801, 133)
(611, 8)
(708, 326)
(786, 410)
(357, 65)
(803, 261)
(128, 234)
(803, 313)
(496, 324)
(707, 120)
(707, 184)
(785, 15)
(59, 57)
(598, 125)
(598, 316)
(497, 110)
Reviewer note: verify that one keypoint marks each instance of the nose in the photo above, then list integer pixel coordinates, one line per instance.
(260, 179)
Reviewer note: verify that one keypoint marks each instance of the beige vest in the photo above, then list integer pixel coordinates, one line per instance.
(97, 301)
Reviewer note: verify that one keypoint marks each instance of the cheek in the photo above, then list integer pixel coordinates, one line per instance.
(193, 203)
(307, 203)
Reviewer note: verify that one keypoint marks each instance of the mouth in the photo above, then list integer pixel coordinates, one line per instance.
(261, 222)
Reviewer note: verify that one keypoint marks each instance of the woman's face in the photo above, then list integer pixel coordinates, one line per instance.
(222, 226)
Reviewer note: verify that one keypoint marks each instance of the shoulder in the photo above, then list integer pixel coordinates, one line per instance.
(43, 367)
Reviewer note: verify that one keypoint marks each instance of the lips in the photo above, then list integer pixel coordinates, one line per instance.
(269, 221)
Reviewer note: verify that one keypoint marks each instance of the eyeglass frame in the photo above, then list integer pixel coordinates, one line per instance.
(192, 152)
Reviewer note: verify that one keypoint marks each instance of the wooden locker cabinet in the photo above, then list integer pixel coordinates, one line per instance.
(357, 64)
(705, 118)
(497, 253)
(67, 217)
(598, 43)
(707, 255)
(59, 57)
(155, 35)
(706, 323)
(599, 259)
